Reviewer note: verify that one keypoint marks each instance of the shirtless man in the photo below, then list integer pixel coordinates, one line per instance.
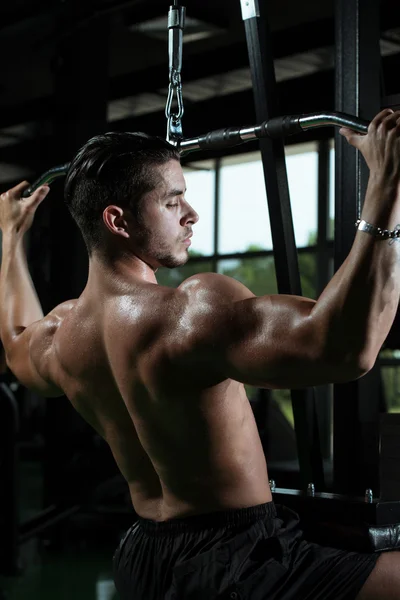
(159, 372)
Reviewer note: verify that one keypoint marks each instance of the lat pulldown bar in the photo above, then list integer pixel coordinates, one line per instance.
(276, 127)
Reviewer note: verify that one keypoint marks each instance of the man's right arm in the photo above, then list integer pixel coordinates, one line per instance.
(291, 342)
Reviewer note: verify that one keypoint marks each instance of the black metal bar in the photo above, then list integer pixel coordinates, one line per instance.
(323, 275)
(250, 254)
(324, 393)
(341, 508)
(389, 362)
(277, 127)
(217, 208)
(285, 255)
(356, 404)
(9, 505)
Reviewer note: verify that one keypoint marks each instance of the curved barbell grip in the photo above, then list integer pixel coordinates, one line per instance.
(47, 178)
(338, 119)
(284, 126)
(277, 127)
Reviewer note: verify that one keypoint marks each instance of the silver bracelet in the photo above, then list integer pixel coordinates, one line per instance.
(382, 234)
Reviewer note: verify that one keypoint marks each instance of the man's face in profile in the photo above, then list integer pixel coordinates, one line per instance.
(165, 221)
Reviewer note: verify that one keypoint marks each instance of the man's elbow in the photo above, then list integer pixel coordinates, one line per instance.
(364, 363)
(344, 367)
(352, 368)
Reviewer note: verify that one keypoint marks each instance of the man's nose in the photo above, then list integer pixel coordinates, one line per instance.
(191, 216)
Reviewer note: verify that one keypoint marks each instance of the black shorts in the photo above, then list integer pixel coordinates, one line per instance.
(257, 553)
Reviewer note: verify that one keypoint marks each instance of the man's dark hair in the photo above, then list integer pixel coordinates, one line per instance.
(112, 168)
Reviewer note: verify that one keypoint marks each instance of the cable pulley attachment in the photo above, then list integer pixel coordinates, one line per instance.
(176, 24)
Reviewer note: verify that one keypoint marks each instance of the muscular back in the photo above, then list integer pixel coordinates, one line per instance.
(138, 366)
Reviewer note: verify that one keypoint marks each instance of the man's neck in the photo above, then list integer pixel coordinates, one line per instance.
(124, 270)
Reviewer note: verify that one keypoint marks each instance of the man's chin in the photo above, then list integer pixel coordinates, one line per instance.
(172, 262)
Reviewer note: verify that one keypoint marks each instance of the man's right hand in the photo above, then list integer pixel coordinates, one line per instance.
(381, 145)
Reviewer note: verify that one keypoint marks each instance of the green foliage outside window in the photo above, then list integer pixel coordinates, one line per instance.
(258, 274)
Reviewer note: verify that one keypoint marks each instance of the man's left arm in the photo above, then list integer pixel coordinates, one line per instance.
(25, 334)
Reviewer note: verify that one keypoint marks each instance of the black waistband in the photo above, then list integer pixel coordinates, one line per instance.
(215, 520)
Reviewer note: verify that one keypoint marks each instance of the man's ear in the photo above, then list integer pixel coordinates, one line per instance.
(115, 221)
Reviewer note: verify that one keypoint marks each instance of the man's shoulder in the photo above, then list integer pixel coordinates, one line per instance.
(177, 320)
(42, 348)
(203, 304)
(43, 331)
(61, 310)
(215, 285)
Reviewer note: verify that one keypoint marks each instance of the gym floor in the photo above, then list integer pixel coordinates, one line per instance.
(72, 575)
(80, 571)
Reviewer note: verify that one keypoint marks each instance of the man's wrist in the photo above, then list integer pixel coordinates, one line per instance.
(12, 239)
(381, 207)
(387, 187)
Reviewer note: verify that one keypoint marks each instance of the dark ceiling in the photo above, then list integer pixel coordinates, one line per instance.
(115, 56)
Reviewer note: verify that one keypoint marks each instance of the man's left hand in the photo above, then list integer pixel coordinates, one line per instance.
(17, 213)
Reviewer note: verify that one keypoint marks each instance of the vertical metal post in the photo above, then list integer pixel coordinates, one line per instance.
(217, 198)
(285, 253)
(356, 404)
(323, 215)
(324, 394)
(9, 501)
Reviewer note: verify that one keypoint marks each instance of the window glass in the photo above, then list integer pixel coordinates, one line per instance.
(244, 220)
(200, 195)
(302, 170)
(244, 217)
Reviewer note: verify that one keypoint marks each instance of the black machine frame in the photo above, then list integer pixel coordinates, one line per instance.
(358, 89)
